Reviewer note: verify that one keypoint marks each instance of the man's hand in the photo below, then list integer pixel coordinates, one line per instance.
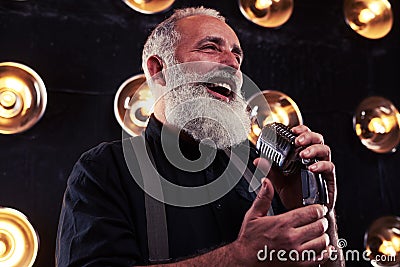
(289, 187)
(297, 230)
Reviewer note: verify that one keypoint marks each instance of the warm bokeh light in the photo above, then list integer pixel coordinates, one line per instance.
(261, 4)
(3, 248)
(149, 6)
(133, 104)
(279, 114)
(140, 111)
(376, 8)
(19, 243)
(366, 16)
(8, 99)
(256, 130)
(370, 18)
(272, 106)
(23, 97)
(12, 82)
(376, 122)
(383, 125)
(390, 247)
(267, 13)
(383, 239)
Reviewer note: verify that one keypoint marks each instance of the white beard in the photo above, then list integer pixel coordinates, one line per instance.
(191, 108)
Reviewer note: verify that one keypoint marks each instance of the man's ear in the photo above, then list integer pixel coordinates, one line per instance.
(155, 65)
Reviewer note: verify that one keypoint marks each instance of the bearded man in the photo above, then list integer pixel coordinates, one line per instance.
(198, 209)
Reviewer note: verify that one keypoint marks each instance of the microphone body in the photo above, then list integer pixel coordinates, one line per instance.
(276, 144)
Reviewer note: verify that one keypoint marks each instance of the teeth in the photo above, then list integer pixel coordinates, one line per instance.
(225, 85)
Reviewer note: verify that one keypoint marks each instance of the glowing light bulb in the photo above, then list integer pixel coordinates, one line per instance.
(256, 129)
(396, 239)
(382, 239)
(376, 8)
(14, 83)
(280, 114)
(133, 104)
(263, 4)
(18, 240)
(366, 16)
(140, 112)
(267, 13)
(3, 248)
(387, 248)
(376, 122)
(149, 6)
(370, 18)
(23, 98)
(272, 106)
(8, 99)
(376, 126)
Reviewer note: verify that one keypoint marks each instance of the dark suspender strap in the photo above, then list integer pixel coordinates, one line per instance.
(157, 232)
(248, 175)
(156, 220)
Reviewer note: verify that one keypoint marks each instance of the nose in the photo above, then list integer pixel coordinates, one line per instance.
(230, 59)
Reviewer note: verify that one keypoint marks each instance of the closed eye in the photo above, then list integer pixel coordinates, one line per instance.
(209, 47)
(238, 53)
(238, 58)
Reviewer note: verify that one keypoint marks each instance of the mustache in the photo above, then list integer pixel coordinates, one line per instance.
(220, 77)
(182, 74)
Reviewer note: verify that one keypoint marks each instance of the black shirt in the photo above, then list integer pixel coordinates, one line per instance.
(103, 219)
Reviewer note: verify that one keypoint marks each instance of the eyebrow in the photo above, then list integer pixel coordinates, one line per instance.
(220, 41)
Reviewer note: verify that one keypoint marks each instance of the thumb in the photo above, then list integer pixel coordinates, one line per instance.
(262, 203)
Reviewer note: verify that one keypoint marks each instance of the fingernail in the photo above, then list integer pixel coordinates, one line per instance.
(264, 183)
(325, 210)
(313, 167)
(305, 152)
(301, 139)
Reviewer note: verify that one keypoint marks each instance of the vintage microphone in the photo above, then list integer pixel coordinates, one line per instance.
(276, 143)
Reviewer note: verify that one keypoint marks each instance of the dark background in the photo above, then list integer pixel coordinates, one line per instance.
(84, 50)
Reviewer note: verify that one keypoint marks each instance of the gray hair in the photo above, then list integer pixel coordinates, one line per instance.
(164, 38)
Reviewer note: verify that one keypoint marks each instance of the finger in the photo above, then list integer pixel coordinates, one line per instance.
(311, 231)
(299, 129)
(304, 215)
(327, 169)
(317, 244)
(319, 151)
(262, 203)
(308, 138)
(322, 167)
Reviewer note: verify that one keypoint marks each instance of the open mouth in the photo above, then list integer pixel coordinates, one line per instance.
(221, 91)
